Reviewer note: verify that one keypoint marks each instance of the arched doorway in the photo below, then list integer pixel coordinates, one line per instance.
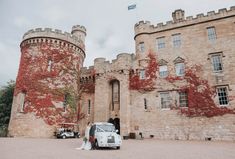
(114, 109)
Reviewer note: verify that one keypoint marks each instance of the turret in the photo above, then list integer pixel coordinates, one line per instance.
(178, 15)
(79, 31)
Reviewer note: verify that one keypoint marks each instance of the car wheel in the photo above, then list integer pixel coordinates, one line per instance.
(96, 145)
(118, 147)
(63, 137)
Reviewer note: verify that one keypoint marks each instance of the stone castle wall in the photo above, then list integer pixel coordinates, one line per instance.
(195, 50)
(139, 100)
(47, 83)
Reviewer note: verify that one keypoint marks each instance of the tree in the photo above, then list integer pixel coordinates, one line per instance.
(6, 98)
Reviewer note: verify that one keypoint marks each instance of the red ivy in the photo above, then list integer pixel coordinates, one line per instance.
(200, 95)
(148, 83)
(43, 87)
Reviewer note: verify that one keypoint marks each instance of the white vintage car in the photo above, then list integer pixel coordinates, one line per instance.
(105, 135)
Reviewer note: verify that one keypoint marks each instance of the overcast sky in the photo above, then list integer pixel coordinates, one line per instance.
(108, 22)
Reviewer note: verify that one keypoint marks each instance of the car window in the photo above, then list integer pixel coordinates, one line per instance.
(105, 128)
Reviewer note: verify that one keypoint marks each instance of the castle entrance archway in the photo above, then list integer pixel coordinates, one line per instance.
(114, 109)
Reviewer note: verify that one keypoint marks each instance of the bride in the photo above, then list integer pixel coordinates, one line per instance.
(86, 144)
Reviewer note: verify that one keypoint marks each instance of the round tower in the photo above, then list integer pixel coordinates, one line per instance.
(142, 45)
(79, 31)
(47, 84)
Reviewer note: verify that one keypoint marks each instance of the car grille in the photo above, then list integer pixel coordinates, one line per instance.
(111, 139)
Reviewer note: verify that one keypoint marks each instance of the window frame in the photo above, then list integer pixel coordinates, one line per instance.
(49, 65)
(223, 97)
(180, 69)
(215, 63)
(183, 99)
(141, 47)
(162, 74)
(89, 107)
(211, 33)
(167, 102)
(142, 74)
(160, 42)
(176, 40)
(145, 104)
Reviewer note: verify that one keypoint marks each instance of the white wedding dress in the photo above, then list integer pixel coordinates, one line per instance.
(86, 145)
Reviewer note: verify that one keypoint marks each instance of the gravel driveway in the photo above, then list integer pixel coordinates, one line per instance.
(25, 148)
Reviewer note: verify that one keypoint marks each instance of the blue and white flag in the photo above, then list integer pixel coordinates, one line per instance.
(133, 6)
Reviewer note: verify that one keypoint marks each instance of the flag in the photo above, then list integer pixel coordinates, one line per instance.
(133, 6)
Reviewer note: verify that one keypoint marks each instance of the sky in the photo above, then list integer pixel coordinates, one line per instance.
(109, 24)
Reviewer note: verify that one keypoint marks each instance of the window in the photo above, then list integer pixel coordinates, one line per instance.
(180, 69)
(217, 62)
(145, 104)
(176, 40)
(165, 100)
(163, 71)
(49, 65)
(66, 98)
(89, 107)
(183, 99)
(161, 42)
(223, 95)
(142, 74)
(141, 47)
(22, 102)
(211, 33)
(115, 94)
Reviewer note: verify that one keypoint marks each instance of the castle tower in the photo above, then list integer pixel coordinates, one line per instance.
(178, 15)
(80, 32)
(48, 81)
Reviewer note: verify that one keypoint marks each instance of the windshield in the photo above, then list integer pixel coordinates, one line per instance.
(105, 128)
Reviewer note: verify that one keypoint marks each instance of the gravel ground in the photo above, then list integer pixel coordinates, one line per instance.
(25, 148)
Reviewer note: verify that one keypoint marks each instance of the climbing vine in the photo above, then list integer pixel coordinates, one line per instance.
(200, 95)
(51, 93)
(148, 83)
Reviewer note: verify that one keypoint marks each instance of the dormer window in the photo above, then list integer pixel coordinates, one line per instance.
(179, 66)
(163, 72)
(179, 69)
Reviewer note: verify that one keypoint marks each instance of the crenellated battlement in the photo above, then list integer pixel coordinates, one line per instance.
(147, 27)
(122, 62)
(56, 34)
(79, 28)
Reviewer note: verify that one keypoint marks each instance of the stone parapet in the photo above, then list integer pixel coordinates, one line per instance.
(145, 27)
(55, 34)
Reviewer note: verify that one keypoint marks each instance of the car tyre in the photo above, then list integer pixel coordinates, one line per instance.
(118, 147)
(63, 137)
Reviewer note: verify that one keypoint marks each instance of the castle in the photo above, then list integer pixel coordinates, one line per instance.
(179, 84)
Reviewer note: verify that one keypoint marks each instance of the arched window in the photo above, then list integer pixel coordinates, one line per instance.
(115, 94)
